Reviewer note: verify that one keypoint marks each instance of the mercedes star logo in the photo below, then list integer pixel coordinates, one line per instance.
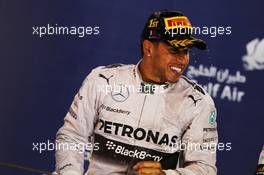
(121, 94)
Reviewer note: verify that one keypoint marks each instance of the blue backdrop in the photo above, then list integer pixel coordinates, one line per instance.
(40, 74)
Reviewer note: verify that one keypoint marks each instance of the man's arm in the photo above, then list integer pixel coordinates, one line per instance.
(202, 139)
(200, 157)
(72, 137)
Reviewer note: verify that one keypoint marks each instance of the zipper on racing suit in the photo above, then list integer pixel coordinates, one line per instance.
(130, 171)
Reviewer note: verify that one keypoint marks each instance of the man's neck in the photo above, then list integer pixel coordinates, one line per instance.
(147, 72)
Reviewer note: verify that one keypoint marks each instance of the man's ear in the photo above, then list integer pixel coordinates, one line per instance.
(147, 48)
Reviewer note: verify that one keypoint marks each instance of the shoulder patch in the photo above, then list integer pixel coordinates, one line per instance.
(194, 100)
(106, 78)
(212, 118)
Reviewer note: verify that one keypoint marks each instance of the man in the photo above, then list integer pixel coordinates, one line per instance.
(162, 126)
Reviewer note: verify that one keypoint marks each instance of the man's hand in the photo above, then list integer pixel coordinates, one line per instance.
(148, 168)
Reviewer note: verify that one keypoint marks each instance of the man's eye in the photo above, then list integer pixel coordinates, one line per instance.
(173, 52)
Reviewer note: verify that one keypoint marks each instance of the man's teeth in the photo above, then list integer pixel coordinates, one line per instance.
(176, 69)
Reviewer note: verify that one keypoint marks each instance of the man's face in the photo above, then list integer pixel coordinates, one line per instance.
(169, 63)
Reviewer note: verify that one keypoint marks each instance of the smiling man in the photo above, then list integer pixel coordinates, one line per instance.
(166, 127)
(163, 63)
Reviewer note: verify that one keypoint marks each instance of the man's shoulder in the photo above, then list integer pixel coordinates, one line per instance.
(108, 71)
(113, 67)
(196, 91)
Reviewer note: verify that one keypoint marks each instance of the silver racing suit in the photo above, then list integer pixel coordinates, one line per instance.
(129, 120)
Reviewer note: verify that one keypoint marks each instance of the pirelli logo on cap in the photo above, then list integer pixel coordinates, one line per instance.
(177, 22)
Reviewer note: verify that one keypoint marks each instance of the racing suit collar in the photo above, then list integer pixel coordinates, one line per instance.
(146, 87)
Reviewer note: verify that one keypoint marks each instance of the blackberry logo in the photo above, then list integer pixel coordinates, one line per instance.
(110, 145)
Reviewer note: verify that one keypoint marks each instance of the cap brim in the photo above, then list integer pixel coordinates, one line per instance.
(188, 42)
